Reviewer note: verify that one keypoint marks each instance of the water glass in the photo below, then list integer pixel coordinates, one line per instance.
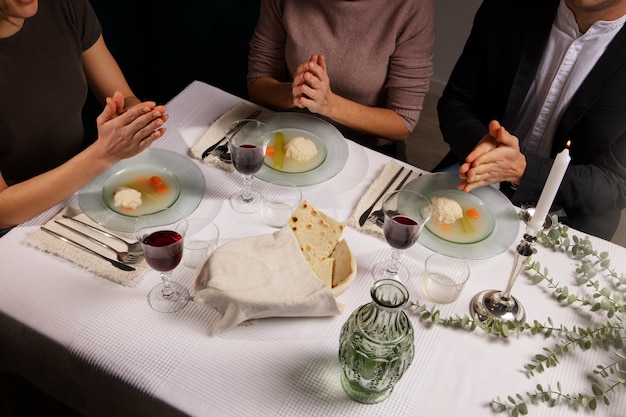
(444, 277)
(280, 199)
(201, 240)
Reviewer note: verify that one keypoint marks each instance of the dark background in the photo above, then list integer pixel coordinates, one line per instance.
(162, 46)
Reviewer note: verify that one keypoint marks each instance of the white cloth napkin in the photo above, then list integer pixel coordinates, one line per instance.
(374, 192)
(47, 243)
(218, 129)
(262, 276)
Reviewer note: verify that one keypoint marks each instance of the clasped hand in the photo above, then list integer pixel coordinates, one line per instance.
(311, 86)
(497, 157)
(125, 133)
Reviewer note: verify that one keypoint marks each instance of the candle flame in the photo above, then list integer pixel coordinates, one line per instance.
(568, 144)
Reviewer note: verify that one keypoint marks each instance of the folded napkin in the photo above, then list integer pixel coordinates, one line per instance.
(48, 243)
(374, 191)
(218, 129)
(262, 276)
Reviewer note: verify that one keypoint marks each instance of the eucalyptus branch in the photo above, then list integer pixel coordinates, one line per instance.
(517, 405)
(609, 333)
(603, 297)
(613, 368)
(433, 315)
(557, 238)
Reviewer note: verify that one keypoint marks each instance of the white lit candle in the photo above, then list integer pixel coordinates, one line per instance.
(550, 188)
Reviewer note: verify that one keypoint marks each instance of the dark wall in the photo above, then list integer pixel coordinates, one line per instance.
(163, 46)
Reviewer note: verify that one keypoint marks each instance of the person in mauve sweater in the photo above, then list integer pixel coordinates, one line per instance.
(364, 66)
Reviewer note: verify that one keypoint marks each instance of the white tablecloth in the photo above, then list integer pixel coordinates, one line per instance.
(98, 347)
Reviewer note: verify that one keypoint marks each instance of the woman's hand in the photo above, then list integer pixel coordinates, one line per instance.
(311, 87)
(122, 134)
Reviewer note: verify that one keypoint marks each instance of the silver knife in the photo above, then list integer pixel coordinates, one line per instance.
(398, 187)
(367, 212)
(86, 249)
(230, 132)
(405, 179)
(95, 229)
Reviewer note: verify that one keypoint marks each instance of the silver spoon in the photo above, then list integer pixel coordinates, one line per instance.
(133, 248)
(113, 262)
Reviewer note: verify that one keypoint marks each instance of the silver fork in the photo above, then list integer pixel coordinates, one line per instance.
(122, 256)
(378, 216)
(222, 149)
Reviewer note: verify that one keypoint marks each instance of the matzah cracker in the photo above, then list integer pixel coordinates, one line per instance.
(323, 268)
(316, 232)
(342, 266)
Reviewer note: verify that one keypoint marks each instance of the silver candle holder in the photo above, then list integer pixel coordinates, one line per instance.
(501, 305)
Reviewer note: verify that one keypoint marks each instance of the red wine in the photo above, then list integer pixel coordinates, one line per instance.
(163, 250)
(401, 232)
(247, 159)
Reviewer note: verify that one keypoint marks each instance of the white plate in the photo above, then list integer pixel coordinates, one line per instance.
(333, 141)
(506, 221)
(189, 176)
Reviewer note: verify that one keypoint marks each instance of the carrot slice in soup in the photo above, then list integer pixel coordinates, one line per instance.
(473, 214)
(158, 185)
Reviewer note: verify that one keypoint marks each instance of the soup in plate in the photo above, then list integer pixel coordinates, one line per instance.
(159, 189)
(292, 165)
(476, 224)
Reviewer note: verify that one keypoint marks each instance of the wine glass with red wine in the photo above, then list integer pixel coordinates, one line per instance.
(161, 235)
(247, 142)
(406, 213)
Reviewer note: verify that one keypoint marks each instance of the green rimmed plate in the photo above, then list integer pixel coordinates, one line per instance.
(506, 224)
(91, 197)
(315, 128)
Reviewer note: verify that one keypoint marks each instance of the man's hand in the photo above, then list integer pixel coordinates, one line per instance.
(497, 157)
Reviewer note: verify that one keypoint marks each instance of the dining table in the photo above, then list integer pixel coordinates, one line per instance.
(98, 347)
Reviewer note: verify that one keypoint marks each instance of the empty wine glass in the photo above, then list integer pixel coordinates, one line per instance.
(247, 142)
(161, 235)
(406, 213)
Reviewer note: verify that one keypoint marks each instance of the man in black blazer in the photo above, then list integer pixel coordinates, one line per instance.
(486, 96)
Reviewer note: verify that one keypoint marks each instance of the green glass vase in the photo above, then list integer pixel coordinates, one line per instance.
(376, 345)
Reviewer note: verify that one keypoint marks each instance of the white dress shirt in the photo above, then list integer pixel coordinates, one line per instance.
(568, 58)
